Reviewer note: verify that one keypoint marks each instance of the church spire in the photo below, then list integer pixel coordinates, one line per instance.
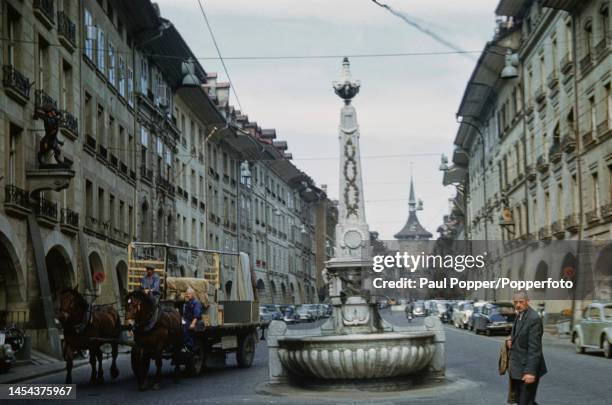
(413, 230)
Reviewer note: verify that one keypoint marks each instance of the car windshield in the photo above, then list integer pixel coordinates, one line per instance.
(503, 309)
(467, 307)
(608, 313)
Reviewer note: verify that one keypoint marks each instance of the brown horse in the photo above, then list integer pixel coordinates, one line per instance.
(155, 330)
(86, 326)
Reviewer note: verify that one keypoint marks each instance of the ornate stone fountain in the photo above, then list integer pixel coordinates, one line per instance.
(355, 344)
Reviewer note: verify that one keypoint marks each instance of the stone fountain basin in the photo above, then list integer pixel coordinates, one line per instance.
(357, 356)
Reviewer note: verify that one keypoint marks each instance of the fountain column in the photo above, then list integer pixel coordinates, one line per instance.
(346, 271)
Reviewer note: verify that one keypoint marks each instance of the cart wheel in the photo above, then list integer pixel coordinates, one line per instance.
(134, 359)
(197, 362)
(246, 351)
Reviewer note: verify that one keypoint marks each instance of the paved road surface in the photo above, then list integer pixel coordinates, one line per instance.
(572, 379)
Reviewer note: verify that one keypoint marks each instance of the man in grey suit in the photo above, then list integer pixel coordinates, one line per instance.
(527, 364)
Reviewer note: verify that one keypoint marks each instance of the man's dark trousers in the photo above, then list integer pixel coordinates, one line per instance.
(525, 393)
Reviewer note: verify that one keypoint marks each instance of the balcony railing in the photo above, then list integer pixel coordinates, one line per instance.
(588, 138)
(66, 30)
(146, 174)
(43, 101)
(70, 218)
(69, 122)
(47, 209)
(592, 216)
(557, 229)
(102, 152)
(16, 84)
(16, 201)
(566, 63)
(91, 223)
(571, 223)
(552, 80)
(540, 94)
(601, 48)
(45, 11)
(544, 233)
(555, 153)
(542, 164)
(603, 127)
(114, 160)
(90, 144)
(123, 168)
(586, 63)
(568, 143)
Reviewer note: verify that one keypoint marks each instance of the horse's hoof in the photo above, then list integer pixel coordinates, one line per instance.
(156, 387)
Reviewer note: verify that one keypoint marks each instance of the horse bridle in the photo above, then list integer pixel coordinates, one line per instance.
(150, 323)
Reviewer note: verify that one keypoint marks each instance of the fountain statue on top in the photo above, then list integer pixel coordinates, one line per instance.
(355, 344)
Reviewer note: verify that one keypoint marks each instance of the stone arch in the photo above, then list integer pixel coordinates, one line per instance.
(283, 292)
(272, 290)
(12, 286)
(603, 274)
(59, 270)
(292, 291)
(228, 289)
(96, 265)
(541, 273)
(261, 287)
(121, 271)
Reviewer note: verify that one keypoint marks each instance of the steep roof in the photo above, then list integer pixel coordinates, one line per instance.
(413, 230)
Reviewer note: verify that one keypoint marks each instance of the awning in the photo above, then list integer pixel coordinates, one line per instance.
(454, 175)
(511, 8)
(567, 5)
(201, 105)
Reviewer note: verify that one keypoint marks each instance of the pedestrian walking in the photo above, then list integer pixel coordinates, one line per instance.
(527, 363)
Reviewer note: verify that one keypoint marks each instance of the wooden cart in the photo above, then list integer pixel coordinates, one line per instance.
(230, 325)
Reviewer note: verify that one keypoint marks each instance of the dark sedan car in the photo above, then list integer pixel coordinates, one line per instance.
(495, 317)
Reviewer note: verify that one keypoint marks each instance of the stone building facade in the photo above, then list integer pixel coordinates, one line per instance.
(532, 158)
(155, 157)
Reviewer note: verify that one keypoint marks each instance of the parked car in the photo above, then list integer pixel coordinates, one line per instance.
(265, 315)
(305, 313)
(419, 309)
(447, 315)
(477, 307)
(495, 317)
(289, 313)
(594, 331)
(277, 315)
(462, 313)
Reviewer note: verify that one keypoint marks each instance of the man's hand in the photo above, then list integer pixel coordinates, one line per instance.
(529, 378)
(509, 343)
(192, 325)
(147, 290)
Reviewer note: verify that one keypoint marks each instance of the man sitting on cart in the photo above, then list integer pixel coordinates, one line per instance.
(150, 284)
(192, 312)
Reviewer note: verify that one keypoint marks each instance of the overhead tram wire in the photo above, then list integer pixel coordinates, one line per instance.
(212, 35)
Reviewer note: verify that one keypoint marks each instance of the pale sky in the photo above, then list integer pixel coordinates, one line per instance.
(406, 104)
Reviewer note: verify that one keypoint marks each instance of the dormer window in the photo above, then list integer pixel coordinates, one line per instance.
(588, 37)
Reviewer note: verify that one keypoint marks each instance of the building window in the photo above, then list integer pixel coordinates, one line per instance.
(90, 35)
(560, 200)
(88, 199)
(111, 65)
(144, 76)
(588, 37)
(44, 67)
(130, 86)
(592, 114)
(12, 31)
(595, 190)
(569, 40)
(101, 216)
(608, 105)
(101, 50)
(14, 154)
(100, 121)
(66, 84)
(605, 21)
(121, 75)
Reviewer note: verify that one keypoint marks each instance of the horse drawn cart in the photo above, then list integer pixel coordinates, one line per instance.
(221, 281)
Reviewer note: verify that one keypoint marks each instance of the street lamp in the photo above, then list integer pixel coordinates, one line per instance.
(510, 70)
